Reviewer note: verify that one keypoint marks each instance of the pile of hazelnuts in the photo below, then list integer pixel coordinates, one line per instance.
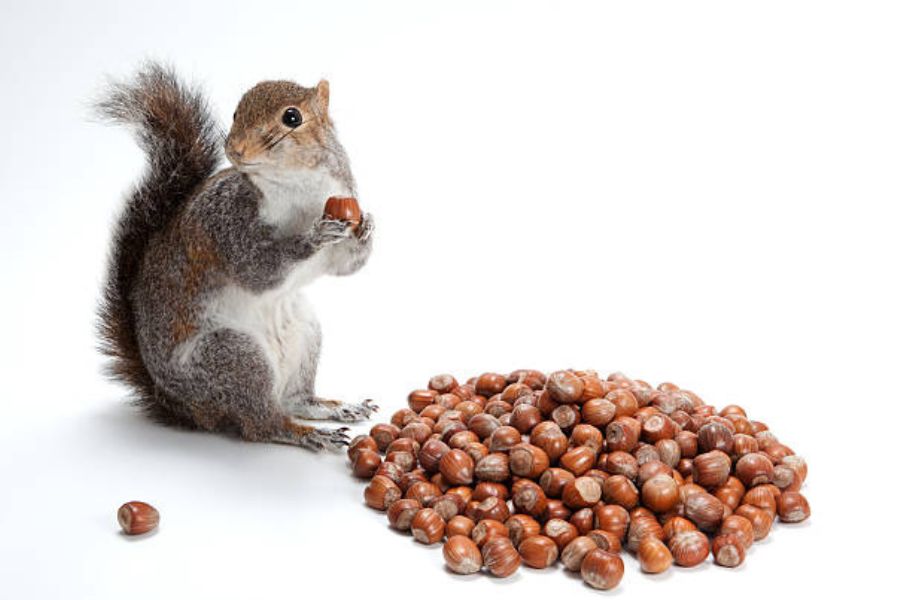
(533, 468)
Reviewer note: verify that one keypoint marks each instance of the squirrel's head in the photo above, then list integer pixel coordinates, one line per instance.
(281, 125)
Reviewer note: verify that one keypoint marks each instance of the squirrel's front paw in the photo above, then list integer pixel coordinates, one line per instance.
(366, 227)
(330, 231)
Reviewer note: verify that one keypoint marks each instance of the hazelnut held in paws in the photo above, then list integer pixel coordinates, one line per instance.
(203, 313)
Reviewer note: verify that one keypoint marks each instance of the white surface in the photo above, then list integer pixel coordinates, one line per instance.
(695, 192)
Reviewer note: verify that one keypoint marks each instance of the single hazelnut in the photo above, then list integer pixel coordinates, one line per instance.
(489, 384)
(660, 493)
(738, 526)
(793, 507)
(425, 492)
(493, 467)
(715, 435)
(578, 460)
(565, 387)
(553, 480)
(405, 480)
(527, 460)
(623, 434)
(486, 529)
(651, 469)
(566, 416)
(613, 518)
(675, 525)
(653, 555)
(618, 489)
(461, 439)
(343, 208)
(401, 513)
(462, 555)
(529, 498)
(449, 505)
(728, 550)
(598, 412)
(504, 438)
(459, 525)
(137, 517)
(486, 489)
(366, 463)
(405, 460)
(555, 444)
(457, 467)
(601, 569)
(625, 402)
(392, 471)
(689, 548)
(711, 469)
(524, 417)
(419, 399)
(753, 469)
(427, 526)
(522, 526)
(763, 498)
(381, 493)
(605, 540)
(582, 492)
(443, 383)
(560, 531)
(573, 554)
(483, 424)
(492, 508)
(500, 557)
(705, 510)
(538, 551)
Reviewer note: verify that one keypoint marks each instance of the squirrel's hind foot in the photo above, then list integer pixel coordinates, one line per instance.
(314, 438)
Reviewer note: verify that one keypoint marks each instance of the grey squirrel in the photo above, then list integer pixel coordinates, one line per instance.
(202, 313)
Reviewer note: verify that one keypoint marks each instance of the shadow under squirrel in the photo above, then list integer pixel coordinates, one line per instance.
(202, 312)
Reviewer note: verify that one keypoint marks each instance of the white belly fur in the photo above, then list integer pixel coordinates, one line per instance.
(281, 320)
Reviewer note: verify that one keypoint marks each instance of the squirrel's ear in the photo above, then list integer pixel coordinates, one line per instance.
(322, 92)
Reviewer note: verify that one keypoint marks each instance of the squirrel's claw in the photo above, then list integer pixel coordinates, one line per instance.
(353, 413)
(331, 231)
(366, 227)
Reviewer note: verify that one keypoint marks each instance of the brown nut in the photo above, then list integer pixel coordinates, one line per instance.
(705, 510)
(401, 513)
(578, 460)
(427, 526)
(582, 492)
(565, 387)
(689, 548)
(573, 554)
(623, 434)
(424, 491)
(715, 435)
(793, 507)
(489, 384)
(739, 526)
(553, 480)
(538, 551)
(524, 417)
(486, 529)
(493, 467)
(753, 469)
(728, 550)
(462, 555)
(527, 460)
(529, 498)
(366, 463)
(361, 442)
(613, 518)
(618, 489)
(601, 569)
(431, 453)
(583, 520)
(486, 489)
(381, 493)
(443, 383)
(419, 399)
(598, 412)
(521, 527)
(492, 508)
(653, 555)
(483, 425)
(343, 208)
(504, 438)
(560, 531)
(457, 467)
(660, 493)
(500, 557)
(711, 469)
(136, 518)
(459, 525)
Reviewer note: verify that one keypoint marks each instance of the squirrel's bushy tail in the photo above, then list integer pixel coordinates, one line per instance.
(173, 125)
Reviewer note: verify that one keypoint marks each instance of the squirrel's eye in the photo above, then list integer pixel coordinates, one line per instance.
(291, 117)
(234, 116)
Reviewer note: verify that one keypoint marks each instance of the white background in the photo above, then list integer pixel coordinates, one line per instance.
(701, 192)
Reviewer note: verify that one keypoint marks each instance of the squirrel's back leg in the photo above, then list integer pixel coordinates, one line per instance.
(300, 398)
(227, 382)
